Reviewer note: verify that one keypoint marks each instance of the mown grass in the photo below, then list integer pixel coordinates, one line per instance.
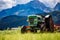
(16, 35)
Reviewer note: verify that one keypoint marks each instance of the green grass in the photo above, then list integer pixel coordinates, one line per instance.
(16, 35)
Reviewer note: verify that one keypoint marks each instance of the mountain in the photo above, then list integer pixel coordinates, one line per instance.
(13, 21)
(55, 16)
(37, 5)
(33, 7)
(57, 7)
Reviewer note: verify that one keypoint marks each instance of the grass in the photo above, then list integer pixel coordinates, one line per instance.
(16, 35)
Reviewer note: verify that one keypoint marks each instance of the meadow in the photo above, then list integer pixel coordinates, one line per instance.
(16, 35)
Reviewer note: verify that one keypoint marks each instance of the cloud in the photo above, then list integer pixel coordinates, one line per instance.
(22, 1)
(50, 3)
(4, 4)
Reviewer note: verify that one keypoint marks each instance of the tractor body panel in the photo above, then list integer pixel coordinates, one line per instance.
(32, 20)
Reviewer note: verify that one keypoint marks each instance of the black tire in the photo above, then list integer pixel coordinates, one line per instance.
(23, 30)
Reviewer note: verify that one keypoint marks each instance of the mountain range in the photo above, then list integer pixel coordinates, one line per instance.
(13, 21)
(57, 7)
(32, 7)
(17, 15)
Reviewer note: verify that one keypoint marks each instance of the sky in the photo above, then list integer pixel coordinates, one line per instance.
(5, 4)
(50, 3)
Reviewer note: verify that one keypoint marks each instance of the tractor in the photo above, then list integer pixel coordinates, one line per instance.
(38, 22)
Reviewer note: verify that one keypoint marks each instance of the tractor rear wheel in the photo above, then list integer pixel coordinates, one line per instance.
(23, 30)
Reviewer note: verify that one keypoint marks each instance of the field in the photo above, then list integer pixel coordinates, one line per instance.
(16, 35)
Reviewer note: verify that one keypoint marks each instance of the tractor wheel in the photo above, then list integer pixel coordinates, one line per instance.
(23, 30)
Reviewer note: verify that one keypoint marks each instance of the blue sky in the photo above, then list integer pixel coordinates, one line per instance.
(5, 4)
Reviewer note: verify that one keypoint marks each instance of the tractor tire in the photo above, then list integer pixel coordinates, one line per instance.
(23, 30)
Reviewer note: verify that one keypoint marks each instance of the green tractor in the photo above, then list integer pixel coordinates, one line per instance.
(37, 22)
(34, 22)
